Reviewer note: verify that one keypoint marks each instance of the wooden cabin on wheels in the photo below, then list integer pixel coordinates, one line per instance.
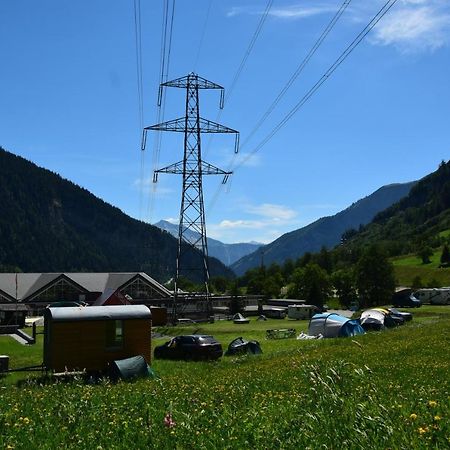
(90, 338)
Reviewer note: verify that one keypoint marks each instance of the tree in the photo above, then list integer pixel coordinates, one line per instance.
(416, 283)
(374, 278)
(343, 282)
(424, 253)
(236, 303)
(311, 284)
(445, 257)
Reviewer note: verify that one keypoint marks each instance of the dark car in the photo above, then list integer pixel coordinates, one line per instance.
(404, 298)
(406, 316)
(190, 347)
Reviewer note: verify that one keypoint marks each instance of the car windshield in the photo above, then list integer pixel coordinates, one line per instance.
(206, 340)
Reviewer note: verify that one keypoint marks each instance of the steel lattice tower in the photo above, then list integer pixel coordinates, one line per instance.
(192, 227)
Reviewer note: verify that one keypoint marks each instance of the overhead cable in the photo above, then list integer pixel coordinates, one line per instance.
(380, 14)
(243, 62)
(299, 69)
(139, 83)
(202, 36)
(165, 53)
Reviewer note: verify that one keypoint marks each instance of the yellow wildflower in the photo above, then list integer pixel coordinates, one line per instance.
(413, 416)
(437, 418)
(432, 403)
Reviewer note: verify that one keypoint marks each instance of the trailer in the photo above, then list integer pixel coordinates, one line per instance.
(91, 338)
(434, 296)
(302, 312)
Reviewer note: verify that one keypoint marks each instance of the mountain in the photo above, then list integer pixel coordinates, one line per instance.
(416, 220)
(325, 232)
(227, 253)
(49, 224)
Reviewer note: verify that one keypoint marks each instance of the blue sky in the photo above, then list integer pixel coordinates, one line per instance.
(68, 102)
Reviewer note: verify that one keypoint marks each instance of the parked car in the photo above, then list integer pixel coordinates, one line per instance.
(190, 347)
(405, 299)
(406, 316)
(185, 321)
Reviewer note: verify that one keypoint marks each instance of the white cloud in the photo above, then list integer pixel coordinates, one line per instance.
(293, 12)
(274, 212)
(300, 12)
(415, 27)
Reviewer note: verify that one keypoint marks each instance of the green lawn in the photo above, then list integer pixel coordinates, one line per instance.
(381, 390)
(408, 267)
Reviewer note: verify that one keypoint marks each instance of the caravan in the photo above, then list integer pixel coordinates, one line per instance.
(434, 296)
(302, 312)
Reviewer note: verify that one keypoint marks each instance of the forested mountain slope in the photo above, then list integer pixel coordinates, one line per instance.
(325, 232)
(414, 221)
(50, 224)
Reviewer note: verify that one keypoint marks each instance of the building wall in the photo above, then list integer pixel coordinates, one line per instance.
(83, 344)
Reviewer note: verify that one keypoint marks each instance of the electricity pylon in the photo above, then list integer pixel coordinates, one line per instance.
(192, 227)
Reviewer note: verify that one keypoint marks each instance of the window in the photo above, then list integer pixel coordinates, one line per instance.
(114, 334)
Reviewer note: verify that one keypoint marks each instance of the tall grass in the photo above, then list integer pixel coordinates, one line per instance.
(381, 390)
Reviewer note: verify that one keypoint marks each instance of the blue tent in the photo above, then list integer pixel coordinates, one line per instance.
(333, 325)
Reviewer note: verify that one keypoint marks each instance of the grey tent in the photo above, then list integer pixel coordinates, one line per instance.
(376, 319)
(333, 325)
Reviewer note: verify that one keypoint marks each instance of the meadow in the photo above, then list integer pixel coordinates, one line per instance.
(381, 390)
(407, 268)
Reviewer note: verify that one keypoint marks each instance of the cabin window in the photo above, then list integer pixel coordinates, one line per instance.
(114, 334)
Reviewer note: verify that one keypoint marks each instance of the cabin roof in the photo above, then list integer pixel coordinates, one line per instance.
(21, 286)
(82, 313)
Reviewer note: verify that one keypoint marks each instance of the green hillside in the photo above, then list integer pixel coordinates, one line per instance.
(49, 224)
(410, 270)
(420, 219)
(325, 232)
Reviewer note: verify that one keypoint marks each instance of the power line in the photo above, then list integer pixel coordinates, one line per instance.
(205, 23)
(299, 69)
(243, 62)
(166, 48)
(249, 49)
(139, 82)
(289, 83)
(380, 14)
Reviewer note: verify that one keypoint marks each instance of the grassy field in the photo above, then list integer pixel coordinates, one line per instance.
(381, 390)
(408, 267)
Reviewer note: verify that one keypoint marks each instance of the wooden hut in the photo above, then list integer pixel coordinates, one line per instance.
(90, 338)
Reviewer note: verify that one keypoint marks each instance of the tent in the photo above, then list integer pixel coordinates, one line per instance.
(242, 346)
(376, 319)
(239, 318)
(333, 325)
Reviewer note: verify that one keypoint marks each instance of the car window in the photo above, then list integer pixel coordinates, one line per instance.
(207, 340)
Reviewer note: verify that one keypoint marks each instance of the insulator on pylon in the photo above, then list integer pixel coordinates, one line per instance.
(160, 95)
(144, 139)
(236, 144)
(155, 177)
(222, 98)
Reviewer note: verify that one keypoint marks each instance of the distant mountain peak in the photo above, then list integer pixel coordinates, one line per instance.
(227, 253)
(326, 231)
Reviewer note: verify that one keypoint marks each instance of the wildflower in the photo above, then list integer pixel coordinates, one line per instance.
(168, 421)
(422, 430)
(432, 403)
(413, 416)
(437, 418)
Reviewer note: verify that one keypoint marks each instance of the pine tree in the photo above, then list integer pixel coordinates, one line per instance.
(445, 257)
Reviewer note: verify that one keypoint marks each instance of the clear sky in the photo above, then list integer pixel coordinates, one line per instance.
(69, 102)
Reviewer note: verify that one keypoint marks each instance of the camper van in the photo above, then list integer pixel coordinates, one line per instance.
(435, 296)
(302, 312)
